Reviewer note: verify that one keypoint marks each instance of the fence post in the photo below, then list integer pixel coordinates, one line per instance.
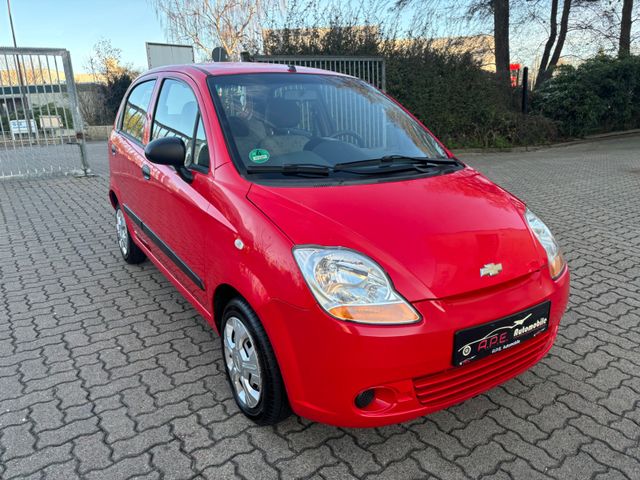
(525, 90)
(78, 124)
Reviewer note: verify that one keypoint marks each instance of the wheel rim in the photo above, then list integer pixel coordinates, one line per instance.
(123, 234)
(242, 362)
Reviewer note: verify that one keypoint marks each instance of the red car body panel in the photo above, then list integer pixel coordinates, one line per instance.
(431, 235)
(407, 229)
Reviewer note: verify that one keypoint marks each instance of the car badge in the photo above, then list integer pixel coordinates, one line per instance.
(491, 270)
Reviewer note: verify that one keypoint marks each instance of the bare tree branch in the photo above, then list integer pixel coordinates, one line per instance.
(234, 25)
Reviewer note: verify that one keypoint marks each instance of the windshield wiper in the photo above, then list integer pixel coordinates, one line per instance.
(395, 160)
(291, 168)
(397, 163)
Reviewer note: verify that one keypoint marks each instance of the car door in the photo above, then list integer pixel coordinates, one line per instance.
(128, 164)
(181, 199)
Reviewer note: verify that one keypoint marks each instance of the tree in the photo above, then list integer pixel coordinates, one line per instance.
(625, 29)
(234, 25)
(555, 42)
(112, 78)
(105, 62)
(501, 39)
(498, 10)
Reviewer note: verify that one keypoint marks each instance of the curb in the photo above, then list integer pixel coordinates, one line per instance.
(533, 148)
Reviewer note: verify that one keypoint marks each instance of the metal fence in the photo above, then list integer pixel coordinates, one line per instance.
(369, 69)
(41, 128)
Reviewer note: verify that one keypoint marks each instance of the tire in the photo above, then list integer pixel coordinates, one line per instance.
(246, 349)
(129, 250)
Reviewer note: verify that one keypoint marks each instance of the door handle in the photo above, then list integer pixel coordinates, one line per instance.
(146, 172)
(113, 149)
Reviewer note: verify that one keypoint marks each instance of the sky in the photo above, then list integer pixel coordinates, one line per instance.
(77, 25)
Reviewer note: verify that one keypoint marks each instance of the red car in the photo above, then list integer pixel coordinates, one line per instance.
(357, 273)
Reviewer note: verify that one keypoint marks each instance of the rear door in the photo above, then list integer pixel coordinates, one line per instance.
(128, 165)
(181, 201)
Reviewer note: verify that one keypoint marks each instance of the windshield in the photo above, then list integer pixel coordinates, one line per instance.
(276, 121)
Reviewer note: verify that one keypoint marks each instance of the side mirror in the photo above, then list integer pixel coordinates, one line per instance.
(166, 151)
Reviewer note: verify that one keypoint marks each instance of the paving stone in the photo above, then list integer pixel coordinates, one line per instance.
(395, 447)
(359, 460)
(67, 432)
(484, 459)
(169, 460)
(125, 468)
(563, 442)
(106, 372)
(221, 452)
(36, 461)
(407, 468)
(141, 442)
(92, 452)
(17, 441)
(306, 462)
(253, 465)
(578, 467)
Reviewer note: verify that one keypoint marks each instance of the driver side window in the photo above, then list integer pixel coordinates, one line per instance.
(177, 115)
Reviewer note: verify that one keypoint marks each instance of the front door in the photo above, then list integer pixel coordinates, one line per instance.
(177, 225)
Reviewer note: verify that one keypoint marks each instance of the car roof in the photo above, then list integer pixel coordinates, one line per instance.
(230, 68)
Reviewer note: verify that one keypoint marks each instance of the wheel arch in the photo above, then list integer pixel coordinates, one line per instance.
(113, 199)
(221, 297)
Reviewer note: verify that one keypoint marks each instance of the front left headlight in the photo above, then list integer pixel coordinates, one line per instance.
(350, 286)
(548, 242)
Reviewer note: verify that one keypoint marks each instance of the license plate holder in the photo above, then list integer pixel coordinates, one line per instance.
(480, 341)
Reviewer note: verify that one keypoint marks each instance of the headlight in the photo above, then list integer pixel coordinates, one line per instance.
(545, 237)
(351, 286)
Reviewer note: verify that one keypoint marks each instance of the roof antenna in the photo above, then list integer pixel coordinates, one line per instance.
(292, 69)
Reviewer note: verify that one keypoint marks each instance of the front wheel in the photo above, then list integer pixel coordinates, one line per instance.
(251, 366)
(129, 250)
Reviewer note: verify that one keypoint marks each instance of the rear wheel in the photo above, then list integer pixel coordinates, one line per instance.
(251, 366)
(129, 250)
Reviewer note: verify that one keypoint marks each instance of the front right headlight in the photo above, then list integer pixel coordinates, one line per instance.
(350, 286)
(548, 242)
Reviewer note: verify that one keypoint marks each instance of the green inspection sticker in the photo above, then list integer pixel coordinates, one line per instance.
(259, 155)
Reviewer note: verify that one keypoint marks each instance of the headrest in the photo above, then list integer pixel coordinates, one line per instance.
(189, 110)
(282, 113)
(238, 126)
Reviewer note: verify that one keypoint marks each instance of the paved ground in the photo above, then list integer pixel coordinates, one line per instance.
(106, 372)
(16, 159)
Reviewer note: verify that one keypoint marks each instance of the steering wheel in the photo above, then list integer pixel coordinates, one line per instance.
(349, 133)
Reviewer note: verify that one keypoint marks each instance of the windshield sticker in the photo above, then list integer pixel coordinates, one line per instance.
(259, 155)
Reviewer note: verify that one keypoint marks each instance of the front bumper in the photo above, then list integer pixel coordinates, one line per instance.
(326, 363)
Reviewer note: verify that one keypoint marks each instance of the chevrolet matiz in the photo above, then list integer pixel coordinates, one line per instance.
(357, 273)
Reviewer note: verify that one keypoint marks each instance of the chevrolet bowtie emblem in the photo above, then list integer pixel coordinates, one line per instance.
(491, 269)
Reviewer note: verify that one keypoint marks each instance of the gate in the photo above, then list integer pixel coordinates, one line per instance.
(41, 128)
(369, 69)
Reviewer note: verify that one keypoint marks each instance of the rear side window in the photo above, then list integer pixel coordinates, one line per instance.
(135, 110)
(177, 115)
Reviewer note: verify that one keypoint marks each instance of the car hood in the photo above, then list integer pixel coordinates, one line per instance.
(432, 235)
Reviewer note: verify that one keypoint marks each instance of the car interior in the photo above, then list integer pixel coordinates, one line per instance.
(292, 125)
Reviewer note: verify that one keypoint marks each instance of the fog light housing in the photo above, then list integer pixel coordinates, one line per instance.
(364, 398)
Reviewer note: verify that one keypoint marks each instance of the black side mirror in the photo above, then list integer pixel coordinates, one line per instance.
(169, 151)
(166, 151)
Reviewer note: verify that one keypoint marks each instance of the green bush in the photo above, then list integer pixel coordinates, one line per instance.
(600, 95)
(460, 102)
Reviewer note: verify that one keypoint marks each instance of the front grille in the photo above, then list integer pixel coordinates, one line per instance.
(459, 383)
